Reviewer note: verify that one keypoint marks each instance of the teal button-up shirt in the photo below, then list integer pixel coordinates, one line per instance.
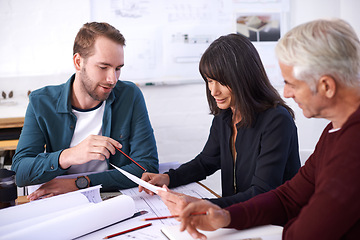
(49, 126)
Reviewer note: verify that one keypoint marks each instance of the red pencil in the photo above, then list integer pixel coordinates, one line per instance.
(130, 158)
(173, 216)
(129, 230)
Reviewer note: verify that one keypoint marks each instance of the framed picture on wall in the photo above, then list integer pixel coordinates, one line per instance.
(263, 22)
(259, 27)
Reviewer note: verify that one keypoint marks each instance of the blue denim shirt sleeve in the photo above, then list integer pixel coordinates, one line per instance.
(49, 125)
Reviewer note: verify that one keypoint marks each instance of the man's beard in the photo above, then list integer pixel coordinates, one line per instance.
(86, 82)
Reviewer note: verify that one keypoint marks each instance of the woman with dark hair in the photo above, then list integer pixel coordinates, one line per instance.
(253, 137)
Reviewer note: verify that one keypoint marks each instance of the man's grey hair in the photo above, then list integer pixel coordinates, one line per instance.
(322, 47)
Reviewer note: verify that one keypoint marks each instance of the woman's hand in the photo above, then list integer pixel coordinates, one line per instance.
(155, 179)
(175, 202)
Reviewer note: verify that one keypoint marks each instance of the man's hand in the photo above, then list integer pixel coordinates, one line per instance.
(155, 179)
(176, 202)
(216, 218)
(54, 187)
(94, 147)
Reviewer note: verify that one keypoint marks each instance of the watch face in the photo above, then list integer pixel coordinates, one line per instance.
(81, 182)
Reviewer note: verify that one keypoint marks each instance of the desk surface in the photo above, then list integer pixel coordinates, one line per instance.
(6, 145)
(14, 122)
(154, 207)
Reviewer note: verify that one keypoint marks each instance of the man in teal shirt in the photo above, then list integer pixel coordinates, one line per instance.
(76, 127)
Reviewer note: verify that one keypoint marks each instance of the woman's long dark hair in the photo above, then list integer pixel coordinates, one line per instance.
(233, 61)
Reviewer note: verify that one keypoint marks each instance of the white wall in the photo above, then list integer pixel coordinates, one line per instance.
(36, 38)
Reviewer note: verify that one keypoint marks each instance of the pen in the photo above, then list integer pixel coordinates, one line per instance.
(130, 158)
(173, 216)
(129, 230)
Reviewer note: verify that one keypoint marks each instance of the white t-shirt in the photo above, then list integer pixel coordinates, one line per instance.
(89, 122)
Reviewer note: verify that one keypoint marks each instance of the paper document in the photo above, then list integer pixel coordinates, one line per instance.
(268, 232)
(138, 180)
(64, 216)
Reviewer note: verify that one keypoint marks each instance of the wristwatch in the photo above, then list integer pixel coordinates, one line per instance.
(82, 182)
